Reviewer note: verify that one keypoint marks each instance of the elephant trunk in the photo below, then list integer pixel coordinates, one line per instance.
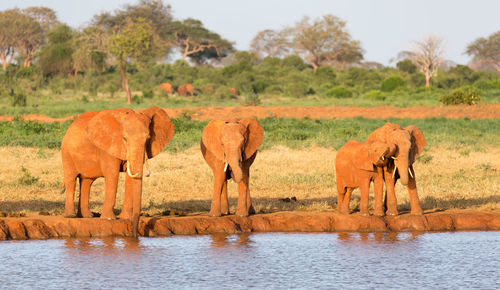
(403, 168)
(235, 164)
(136, 206)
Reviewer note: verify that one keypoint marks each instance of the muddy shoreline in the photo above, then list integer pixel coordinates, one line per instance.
(47, 227)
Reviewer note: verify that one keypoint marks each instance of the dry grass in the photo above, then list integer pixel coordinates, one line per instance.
(447, 179)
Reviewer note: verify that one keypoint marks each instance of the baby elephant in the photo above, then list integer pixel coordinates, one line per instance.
(358, 164)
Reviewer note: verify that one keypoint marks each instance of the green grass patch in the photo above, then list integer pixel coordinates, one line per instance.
(464, 134)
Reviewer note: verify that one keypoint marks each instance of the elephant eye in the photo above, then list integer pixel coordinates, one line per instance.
(124, 138)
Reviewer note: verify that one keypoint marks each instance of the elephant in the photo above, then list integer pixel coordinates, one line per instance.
(357, 164)
(410, 143)
(103, 144)
(185, 90)
(229, 148)
(166, 87)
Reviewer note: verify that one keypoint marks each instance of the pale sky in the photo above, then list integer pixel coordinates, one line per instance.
(384, 27)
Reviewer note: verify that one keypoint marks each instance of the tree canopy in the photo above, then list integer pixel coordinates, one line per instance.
(486, 50)
(325, 41)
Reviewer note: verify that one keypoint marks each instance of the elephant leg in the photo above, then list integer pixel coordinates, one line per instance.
(224, 200)
(390, 182)
(83, 205)
(111, 184)
(344, 207)
(378, 187)
(364, 187)
(219, 179)
(127, 199)
(244, 202)
(340, 195)
(69, 207)
(412, 191)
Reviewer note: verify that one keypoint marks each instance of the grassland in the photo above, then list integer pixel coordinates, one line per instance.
(460, 167)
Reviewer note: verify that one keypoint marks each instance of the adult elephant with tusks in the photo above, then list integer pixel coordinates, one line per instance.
(410, 143)
(229, 148)
(103, 144)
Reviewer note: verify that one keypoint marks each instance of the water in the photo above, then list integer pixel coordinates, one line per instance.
(270, 260)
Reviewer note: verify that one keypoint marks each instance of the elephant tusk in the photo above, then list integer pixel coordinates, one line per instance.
(383, 158)
(225, 166)
(148, 173)
(394, 172)
(411, 174)
(393, 157)
(130, 173)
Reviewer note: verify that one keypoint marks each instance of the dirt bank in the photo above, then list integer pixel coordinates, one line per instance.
(316, 112)
(43, 227)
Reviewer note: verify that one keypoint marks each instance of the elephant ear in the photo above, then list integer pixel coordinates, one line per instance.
(362, 158)
(211, 138)
(106, 132)
(254, 138)
(161, 130)
(417, 142)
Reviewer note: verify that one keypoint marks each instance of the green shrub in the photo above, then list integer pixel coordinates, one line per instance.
(297, 89)
(391, 83)
(487, 84)
(223, 93)
(148, 94)
(374, 95)
(27, 178)
(259, 86)
(25, 72)
(137, 99)
(406, 66)
(252, 100)
(465, 95)
(339, 92)
(18, 99)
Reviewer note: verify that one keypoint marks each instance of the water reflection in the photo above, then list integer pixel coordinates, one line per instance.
(378, 237)
(225, 240)
(107, 246)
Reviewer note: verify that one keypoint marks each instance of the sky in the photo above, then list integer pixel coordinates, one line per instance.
(384, 27)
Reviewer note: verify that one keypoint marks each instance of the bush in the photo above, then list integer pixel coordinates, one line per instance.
(137, 99)
(27, 178)
(339, 92)
(252, 100)
(148, 94)
(487, 84)
(374, 95)
(391, 83)
(18, 99)
(297, 89)
(406, 66)
(465, 95)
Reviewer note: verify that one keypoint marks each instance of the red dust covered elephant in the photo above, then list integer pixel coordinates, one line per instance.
(230, 148)
(103, 144)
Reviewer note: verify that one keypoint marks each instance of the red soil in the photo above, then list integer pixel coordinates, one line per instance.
(43, 227)
(317, 112)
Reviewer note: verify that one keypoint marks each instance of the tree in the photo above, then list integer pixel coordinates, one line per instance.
(486, 51)
(90, 49)
(158, 15)
(57, 55)
(45, 16)
(132, 42)
(29, 37)
(427, 55)
(192, 38)
(326, 41)
(8, 36)
(271, 43)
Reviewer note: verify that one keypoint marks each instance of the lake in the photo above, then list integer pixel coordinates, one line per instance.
(268, 260)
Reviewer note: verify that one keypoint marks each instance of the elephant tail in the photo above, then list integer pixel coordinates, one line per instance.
(135, 225)
(63, 189)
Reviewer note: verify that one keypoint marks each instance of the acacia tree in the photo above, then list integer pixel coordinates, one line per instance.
(8, 36)
(90, 49)
(56, 56)
(192, 38)
(325, 40)
(427, 55)
(132, 42)
(30, 37)
(271, 43)
(486, 51)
